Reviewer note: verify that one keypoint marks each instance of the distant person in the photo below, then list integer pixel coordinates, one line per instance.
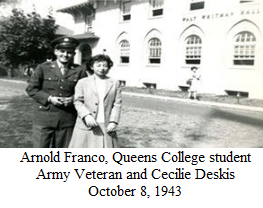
(194, 83)
(98, 102)
(52, 87)
(28, 72)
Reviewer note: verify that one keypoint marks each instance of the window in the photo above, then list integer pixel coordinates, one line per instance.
(244, 49)
(193, 50)
(89, 22)
(124, 51)
(126, 10)
(195, 5)
(157, 7)
(154, 54)
(122, 83)
(150, 85)
(246, 1)
(237, 94)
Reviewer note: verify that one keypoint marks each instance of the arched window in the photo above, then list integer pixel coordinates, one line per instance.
(193, 50)
(124, 51)
(244, 48)
(154, 51)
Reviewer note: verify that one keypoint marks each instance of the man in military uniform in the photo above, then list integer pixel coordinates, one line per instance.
(52, 87)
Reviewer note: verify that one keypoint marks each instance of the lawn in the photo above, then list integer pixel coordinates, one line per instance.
(203, 96)
(15, 123)
(139, 128)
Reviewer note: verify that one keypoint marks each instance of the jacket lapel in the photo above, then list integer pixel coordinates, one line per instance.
(109, 84)
(55, 69)
(71, 70)
(92, 85)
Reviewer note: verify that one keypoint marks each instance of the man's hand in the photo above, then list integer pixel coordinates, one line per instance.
(68, 101)
(56, 101)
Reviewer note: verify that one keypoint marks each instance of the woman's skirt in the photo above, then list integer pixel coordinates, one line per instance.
(97, 137)
(194, 87)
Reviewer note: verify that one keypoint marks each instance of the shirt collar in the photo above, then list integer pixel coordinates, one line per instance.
(60, 65)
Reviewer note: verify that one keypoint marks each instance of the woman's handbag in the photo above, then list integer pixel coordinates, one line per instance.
(189, 81)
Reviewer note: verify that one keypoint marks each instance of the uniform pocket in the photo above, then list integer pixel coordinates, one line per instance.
(70, 85)
(50, 82)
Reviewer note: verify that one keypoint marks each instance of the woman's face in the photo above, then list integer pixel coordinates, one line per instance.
(194, 70)
(100, 68)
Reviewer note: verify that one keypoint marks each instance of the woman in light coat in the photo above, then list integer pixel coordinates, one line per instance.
(98, 103)
(195, 82)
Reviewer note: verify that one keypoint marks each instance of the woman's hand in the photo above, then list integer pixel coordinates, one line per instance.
(111, 127)
(90, 121)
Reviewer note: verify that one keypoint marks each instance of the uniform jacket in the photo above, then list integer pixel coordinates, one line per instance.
(47, 80)
(86, 101)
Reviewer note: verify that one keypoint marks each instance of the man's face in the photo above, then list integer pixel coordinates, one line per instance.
(64, 55)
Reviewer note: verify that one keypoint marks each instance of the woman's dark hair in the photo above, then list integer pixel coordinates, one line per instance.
(193, 67)
(98, 58)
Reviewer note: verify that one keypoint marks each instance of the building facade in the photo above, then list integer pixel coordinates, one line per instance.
(154, 43)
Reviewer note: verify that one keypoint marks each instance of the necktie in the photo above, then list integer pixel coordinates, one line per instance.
(63, 70)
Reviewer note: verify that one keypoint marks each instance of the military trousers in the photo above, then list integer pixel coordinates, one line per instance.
(45, 137)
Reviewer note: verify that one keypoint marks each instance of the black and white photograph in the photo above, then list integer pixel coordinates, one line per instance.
(178, 74)
(135, 103)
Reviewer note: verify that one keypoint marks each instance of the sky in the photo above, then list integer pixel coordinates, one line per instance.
(42, 7)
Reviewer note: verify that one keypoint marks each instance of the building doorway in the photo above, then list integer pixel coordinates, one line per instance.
(86, 54)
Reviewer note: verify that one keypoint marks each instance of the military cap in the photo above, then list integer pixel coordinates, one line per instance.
(65, 42)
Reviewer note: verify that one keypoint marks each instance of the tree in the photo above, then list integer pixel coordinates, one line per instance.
(8, 1)
(25, 39)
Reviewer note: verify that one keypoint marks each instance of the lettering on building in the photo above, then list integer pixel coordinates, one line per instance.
(221, 15)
